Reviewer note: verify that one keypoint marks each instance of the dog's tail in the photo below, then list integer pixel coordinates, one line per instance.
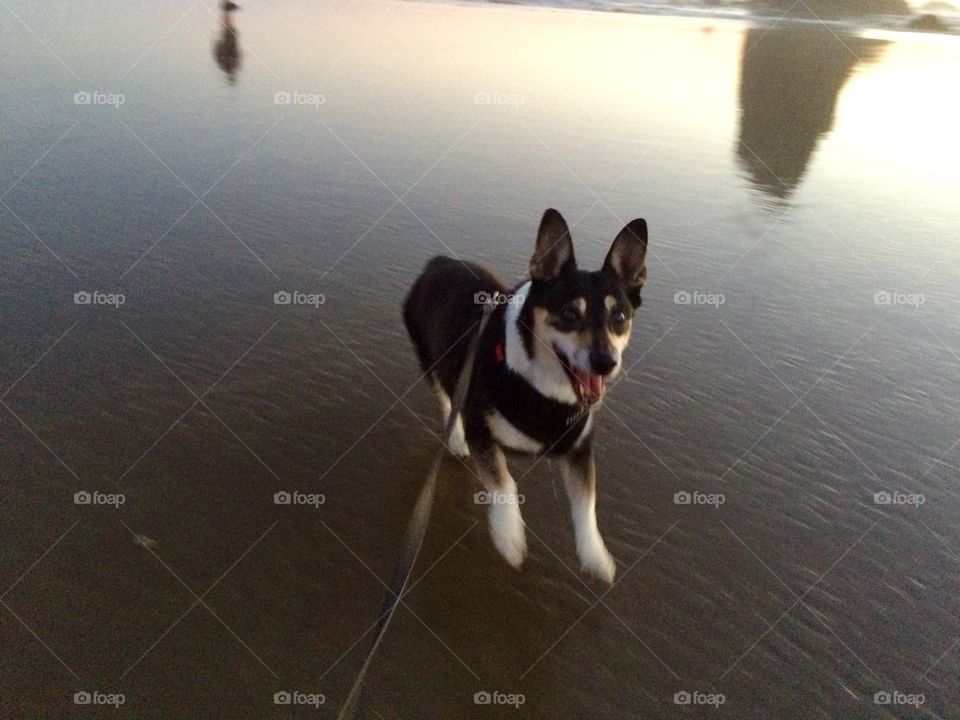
(412, 310)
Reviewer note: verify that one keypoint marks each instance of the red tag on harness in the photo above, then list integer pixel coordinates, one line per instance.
(498, 352)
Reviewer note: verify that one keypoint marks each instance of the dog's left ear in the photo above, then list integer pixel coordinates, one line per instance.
(554, 252)
(627, 256)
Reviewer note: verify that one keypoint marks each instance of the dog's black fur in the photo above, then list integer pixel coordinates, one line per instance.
(540, 368)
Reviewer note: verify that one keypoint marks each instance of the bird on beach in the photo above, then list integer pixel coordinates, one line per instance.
(228, 6)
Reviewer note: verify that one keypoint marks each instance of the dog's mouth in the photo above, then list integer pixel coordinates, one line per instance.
(589, 387)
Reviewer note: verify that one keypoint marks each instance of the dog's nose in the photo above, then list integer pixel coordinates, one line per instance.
(602, 361)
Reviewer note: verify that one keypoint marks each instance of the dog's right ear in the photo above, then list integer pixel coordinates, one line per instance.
(627, 258)
(554, 252)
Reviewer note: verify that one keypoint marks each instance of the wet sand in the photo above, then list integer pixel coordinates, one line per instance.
(789, 174)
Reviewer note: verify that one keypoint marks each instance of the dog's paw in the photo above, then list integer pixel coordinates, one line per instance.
(512, 548)
(457, 442)
(457, 445)
(598, 561)
(508, 533)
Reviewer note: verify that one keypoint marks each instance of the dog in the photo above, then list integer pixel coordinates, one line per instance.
(540, 371)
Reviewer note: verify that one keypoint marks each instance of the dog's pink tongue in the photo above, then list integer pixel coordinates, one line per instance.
(591, 386)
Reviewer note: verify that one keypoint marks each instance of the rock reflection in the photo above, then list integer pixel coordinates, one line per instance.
(789, 84)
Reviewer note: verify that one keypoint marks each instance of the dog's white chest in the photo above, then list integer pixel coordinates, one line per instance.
(505, 433)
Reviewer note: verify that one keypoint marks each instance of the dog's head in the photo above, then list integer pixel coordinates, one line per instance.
(583, 319)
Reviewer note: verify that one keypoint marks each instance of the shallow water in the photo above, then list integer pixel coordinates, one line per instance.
(788, 175)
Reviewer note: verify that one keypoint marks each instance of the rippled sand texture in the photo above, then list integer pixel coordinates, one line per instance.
(790, 178)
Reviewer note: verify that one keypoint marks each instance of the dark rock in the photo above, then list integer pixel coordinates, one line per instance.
(928, 23)
(813, 9)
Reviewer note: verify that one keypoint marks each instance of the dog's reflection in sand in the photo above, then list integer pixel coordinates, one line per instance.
(227, 49)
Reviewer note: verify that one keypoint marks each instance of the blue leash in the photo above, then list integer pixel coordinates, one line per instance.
(417, 525)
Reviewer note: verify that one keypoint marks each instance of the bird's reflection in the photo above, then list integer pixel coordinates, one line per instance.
(227, 49)
(789, 84)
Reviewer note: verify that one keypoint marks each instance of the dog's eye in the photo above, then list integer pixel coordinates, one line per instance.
(570, 315)
(618, 316)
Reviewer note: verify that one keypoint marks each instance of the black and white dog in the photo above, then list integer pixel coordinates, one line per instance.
(540, 369)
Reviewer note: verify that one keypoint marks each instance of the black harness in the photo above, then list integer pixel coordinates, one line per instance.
(553, 424)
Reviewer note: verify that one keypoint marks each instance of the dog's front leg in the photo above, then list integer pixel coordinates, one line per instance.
(580, 479)
(506, 523)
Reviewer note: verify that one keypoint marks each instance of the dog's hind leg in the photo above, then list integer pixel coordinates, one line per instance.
(457, 443)
(580, 479)
(500, 493)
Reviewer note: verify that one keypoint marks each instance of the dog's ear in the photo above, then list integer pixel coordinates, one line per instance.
(627, 256)
(554, 252)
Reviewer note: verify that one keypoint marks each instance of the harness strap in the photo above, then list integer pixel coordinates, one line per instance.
(417, 525)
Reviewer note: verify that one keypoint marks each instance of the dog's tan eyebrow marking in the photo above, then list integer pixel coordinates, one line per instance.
(581, 304)
(609, 302)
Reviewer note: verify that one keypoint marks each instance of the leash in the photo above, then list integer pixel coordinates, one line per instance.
(417, 525)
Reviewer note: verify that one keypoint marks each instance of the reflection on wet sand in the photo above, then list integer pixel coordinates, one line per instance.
(227, 49)
(789, 84)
